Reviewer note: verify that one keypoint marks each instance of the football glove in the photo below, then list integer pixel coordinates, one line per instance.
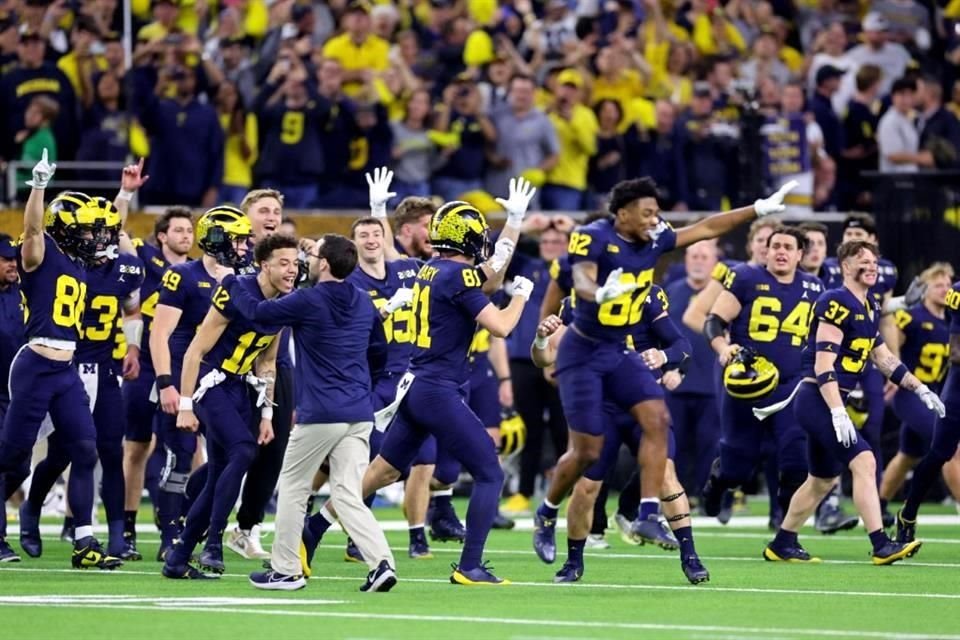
(380, 192)
(521, 193)
(613, 288)
(402, 298)
(42, 172)
(930, 400)
(522, 287)
(774, 203)
(502, 251)
(843, 427)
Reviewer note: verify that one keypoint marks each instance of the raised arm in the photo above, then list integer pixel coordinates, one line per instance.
(131, 179)
(721, 223)
(290, 310)
(379, 189)
(500, 322)
(32, 246)
(516, 204)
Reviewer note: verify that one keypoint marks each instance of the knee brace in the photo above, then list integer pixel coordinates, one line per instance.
(175, 474)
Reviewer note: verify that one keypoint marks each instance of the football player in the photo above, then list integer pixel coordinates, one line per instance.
(173, 234)
(620, 252)
(844, 333)
(113, 284)
(655, 329)
(922, 342)
(766, 311)
(185, 292)
(56, 247)
(223, 356)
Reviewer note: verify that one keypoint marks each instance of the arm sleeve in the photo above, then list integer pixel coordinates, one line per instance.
(677, 347)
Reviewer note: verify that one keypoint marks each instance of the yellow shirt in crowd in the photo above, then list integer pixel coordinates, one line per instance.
(578, 141)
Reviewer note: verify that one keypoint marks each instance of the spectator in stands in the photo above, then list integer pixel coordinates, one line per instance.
(829, 48)
(411, 220)
(714, 34)
(288, 226)
(384, 19)
(465, 163)
(938, 127)
(526, 140)
(84, 59)
(673, 83)
(240, 146)
(897, 137)
(104, 135)
(414, 154)
(236, 68)
(495, 87)
(658, 153)
(550, 35)
(877, 49)
(165, 13)
(291, 121)
(360, 52)
(764, 62)
(615, 79)
(37, 135)
(31, 77)
(576, 131)
(338, 128)
(186, 140)
(706, 146)
(448, 52)
(908, 22)
(828, 82)
(8, 42)
(859, 140)
(608, 166)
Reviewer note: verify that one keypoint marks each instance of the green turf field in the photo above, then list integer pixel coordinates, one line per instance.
(626, 592)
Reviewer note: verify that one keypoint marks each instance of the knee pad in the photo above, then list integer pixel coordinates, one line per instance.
(83, 454)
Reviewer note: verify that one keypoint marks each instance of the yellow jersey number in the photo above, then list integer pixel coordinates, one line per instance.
(397, 325)
(248, 348)
(170, 280)
(420, 314)
(579, 244)
(291, 127)
(106, 307)
(628, 308)
(930, 367)
(765, 323)
(853, 364)
(68, 303)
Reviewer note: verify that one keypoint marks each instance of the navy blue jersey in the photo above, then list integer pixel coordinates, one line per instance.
(860, 323)
(886, 276)
(700, 372)
(339, 344)
(398, 325)
(108, 285)
(562, 274)
(243, 339)
(447, 299)
(953, 308)
(187, 287)
(775, 317)
(154, 266)
(644, 335)
(926, 348)
(11, 332)
(600, 244)
(55, 293)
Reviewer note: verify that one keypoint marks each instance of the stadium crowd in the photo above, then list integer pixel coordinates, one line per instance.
(456, 96)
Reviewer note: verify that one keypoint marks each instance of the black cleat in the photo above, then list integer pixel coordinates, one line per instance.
(130, 552)
(694, 569)
(545, 537)
(906, 529)
(88, 554)
(7, 554)
(895, 552)
(793, 554)
(503, 522)
(447, 529)
(30, 540)
(211, 559)
(185, 572)
(569, 572)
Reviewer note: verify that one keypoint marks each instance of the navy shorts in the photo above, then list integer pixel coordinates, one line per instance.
(744, 440)
(138, 408)
(39, 385)
(440, 411)
(483, 395)
(917, 422)
(826, 457)
(590, 373)
(622, 429)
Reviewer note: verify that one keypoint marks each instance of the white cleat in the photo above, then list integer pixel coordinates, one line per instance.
(246, 543)
(596, 541)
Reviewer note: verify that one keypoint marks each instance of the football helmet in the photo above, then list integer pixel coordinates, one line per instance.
(217, 232)
(459, 226)
(82, 226)
(750, 376)
(513, 432)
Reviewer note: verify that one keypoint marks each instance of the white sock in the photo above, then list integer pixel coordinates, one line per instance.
(550, 505)
(83, 532)
(441, 492)
(417, 526)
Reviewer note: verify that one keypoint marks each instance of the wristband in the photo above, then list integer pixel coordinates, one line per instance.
(540, 342)
(164, 381)
(266, 413)
(898, 374)
(826, 377)
(828, 347)
(125, 195)
(186, 403)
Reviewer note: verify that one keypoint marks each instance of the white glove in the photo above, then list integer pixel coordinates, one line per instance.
(774, 204)
(892, 305)
(613, 288)
(522, 287)
(380, 192)
(843, 427)
(502, 251)
(521, 193)
(402, 298)
(42, 172)
(930, 399)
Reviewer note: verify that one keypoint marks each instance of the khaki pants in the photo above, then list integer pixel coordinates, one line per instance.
(346, 446)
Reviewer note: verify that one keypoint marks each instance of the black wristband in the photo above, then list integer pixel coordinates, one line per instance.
(164, 381)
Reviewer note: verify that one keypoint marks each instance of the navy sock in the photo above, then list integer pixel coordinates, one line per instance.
(924, 476)
(80, 495)
(318, 524)
(480, 515)
(547, 512)
(224, 483)
(883, 505)
(130, 524)
(417, 535)
(649, 507)
(878, 538)
(575, 550)
(367, 501)
(169, 506)
(115, 543)
(685, 538)
(442, 506)
(786, 538)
